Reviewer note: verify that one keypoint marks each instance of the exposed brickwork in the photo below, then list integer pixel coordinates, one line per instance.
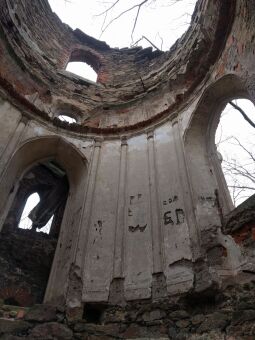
(245, 233)
(243, 217)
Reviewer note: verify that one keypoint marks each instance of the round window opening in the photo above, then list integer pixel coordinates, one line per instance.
(67, 119)
(83, 70)
(152, 23)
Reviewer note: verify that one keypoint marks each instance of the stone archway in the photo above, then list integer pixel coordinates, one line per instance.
(212, 199)
(204, 167)
(30, 153)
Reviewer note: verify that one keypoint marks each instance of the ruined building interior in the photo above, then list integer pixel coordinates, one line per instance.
(143, 240)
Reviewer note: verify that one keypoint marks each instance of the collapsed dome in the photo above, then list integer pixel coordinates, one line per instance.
(113, 104)
(128, 176)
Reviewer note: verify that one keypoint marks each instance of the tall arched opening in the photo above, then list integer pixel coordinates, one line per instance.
(56, 171)
(234, 141)
(203, 159)
(211, 196)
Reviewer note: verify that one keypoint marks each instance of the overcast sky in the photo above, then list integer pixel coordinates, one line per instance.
(160, 18)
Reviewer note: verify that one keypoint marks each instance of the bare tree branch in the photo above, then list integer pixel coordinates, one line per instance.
(243, 114)
(138, 6)
(241, 187)
(108, 9)
(239, 168)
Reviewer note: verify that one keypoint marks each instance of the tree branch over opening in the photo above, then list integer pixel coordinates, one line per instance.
(235, 106)
(143, 37)
(240, 174)
(238, 163)
(138, 6)
(137, 10)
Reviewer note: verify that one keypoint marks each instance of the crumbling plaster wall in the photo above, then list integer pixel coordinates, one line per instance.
(134, 216)
(144, 199)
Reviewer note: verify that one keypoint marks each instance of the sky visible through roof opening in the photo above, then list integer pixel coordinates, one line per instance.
(161, 21)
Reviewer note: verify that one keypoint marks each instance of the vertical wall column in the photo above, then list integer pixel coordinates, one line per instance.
(186, 189)
(6, 157)
(63, 266)
(154, 207)
(11, 146)
(120, 215)
(88, 209)
(88, 206)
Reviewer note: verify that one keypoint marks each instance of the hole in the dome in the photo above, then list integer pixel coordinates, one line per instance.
(123, 25)
(67, 119)
(82, 69)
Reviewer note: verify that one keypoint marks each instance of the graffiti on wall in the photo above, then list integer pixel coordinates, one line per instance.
(137, 211)
(172, 216)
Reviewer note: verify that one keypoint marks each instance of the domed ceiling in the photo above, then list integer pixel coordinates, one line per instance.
(135, 88)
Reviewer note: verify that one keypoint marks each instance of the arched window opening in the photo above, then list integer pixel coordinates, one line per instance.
(46, 228)
(67, 119)
(25, 221)
(83, 70)
(30, 233)
(236, 148)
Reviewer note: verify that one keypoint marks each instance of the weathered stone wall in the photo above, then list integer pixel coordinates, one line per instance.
(25, 259)
(135, 217)
(147, 195)
(26, 255)
(217, 315)
(240, 223)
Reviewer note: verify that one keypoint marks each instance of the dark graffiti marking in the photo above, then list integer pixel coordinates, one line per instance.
(173, 216)
(135, 199)
(131, 199)
(208, 199)
(99, 226)
(170, 200)
(135, 215)
(179, 217)
(168, 218)
(133, 229)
